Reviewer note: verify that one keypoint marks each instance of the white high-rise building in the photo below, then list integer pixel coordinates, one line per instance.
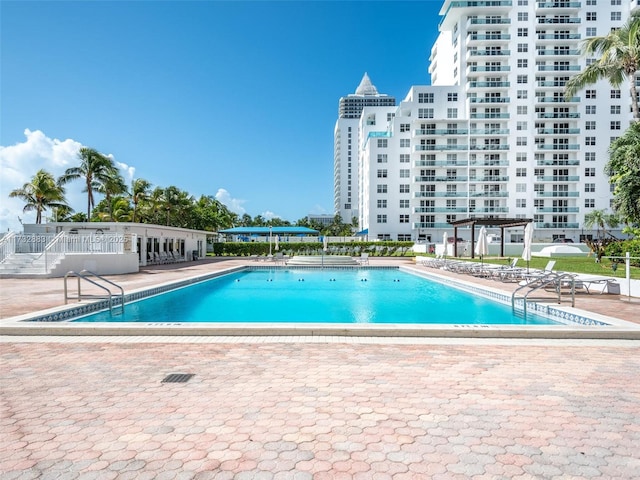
(494, 135)
(345, 146)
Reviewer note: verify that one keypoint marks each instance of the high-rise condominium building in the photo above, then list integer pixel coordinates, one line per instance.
(345, 146)
(493, 135)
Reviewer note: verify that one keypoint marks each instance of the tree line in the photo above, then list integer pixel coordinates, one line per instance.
(138, 202)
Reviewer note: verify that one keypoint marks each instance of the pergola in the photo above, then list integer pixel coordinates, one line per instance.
(487, 222)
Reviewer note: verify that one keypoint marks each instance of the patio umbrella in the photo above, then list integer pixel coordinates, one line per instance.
(277, 242)
(445, 240)
(528, 240)
(482, 244)
(325, 243)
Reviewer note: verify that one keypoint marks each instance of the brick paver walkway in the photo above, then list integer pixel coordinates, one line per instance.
(445, 409)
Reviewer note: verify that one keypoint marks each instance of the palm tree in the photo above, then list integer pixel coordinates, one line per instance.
(40, 193)
(600, 219)
(619, 60)
(139, 192)
(623, 169)
(113, 185)
(95, 168)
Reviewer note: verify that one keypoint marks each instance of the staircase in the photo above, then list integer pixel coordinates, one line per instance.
(28, 264)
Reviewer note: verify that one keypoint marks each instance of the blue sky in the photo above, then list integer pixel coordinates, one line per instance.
(236, 99)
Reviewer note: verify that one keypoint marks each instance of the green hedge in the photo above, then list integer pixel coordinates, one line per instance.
(620, 249)
(375, 249)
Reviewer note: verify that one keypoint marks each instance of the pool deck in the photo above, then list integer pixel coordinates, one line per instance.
(314, 407)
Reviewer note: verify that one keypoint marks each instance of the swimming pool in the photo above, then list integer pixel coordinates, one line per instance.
(348, 296)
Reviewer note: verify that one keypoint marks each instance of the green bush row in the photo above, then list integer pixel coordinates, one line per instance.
(375, 249)
(620, 249)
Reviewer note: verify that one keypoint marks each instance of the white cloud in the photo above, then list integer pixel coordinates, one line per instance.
(233, 204)
(19, 162)
(269, 215)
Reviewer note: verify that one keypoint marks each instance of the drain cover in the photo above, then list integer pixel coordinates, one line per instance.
(178, 378)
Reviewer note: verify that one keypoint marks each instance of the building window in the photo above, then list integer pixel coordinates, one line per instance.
(404, 203)
(404, 173)
(382, 173)
(590, 94)
(615, 125)
(521, 109)
(592, 32)
(589, 203)
(404, 218)
(381, 189)
(615, 109)
(405, 142)
(590, 141)
(452, 113)
(590, 110)
(404, 188)
(590, 187)
(521, 172)
(405, 158)
(523, 32)
(381, 219)
(425, 97)
(522, 63)
(616, 16)
(523, 16)
(382, 203)
(590, 125)
(590, 172)
(522, 94)
(452, 97)
(523, 47)
(521, 203)
(521, 187)
(405, 127)
(521, 141)
(521, 126)
(382, 158)
(382, 143)
(615, 93)
(404, 237)
(590, 156)
(523, 79)
(592, 17)
(521, 157)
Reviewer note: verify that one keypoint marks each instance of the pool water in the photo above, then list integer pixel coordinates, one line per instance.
(319, 296)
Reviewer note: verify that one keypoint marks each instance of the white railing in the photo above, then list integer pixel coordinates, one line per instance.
(53, 251)
(7, 245)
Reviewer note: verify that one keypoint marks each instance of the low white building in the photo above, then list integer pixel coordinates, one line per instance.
(53, 249)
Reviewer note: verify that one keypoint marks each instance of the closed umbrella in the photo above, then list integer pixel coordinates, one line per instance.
(445, 240)
(277, 242)
(528, 240)
(325, 243)
(482, 244)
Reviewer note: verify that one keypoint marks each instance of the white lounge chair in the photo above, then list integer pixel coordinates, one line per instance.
(364, 258)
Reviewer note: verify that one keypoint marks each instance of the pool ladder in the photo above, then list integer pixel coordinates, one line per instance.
(551, 279)
(115, 300)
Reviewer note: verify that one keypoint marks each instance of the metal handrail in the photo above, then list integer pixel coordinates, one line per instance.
(558, 280)
(84, 275)
(7, 245)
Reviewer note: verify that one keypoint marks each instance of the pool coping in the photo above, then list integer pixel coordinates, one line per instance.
(577, 324)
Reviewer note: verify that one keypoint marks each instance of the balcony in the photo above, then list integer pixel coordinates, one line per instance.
(489, 115)
(490, 178)
(476, 84)
(559, 163)
(558, 210)
(488, 53)
(558, 36)
(489, 210)
(560, 99)
(441, 178)
(488, 194)
(430, 148)
(440, 163)
(430, 225)
(489, 131)
(558, 68)
(440, 210)
(557, 131)
(558, 53)
(552, 84)
(489, 21)
(560, 146)
(558, 115)
(481, 68)
(473, 37)
(489, 163)
(558, 178)
(556, 225)
(557, 194)
(441, 131)
(557, 5)
(488, 147)
(489, 100)
(439, 194)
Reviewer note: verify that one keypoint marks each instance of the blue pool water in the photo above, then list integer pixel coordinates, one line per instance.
(319, 296)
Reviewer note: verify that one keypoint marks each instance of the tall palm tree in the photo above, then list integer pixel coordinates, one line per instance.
(95, 169)
(619, 60)
(601, 220)
(112, 186)
(139, 192)
(40, 193)
(623, 168)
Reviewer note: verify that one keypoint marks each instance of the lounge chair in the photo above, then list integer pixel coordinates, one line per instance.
(364, 258)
